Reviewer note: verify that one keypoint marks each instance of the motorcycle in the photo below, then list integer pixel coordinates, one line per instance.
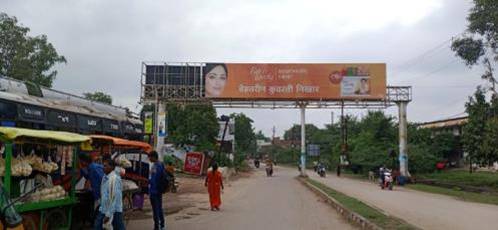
(388, 181)
(321, 171)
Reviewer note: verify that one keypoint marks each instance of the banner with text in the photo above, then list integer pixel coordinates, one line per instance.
(295, 81)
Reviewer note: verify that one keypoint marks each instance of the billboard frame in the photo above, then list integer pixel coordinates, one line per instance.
(194, 94)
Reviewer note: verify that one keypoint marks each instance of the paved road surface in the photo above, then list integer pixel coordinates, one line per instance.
(259, 202)
(425, 210)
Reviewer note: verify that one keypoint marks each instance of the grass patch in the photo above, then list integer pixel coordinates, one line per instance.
(463, 177)
(372, 214)
(462, 195)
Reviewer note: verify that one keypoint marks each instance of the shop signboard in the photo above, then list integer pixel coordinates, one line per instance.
(31, 113)
(148, 124)
(344, 81)
(111, 126)
(313, 150)
(61, 119)
(162, 125)
(194, 162)
(88, 123)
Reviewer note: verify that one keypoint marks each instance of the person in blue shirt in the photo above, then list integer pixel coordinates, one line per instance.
(155, 193)
(111, 200)
(94, 173)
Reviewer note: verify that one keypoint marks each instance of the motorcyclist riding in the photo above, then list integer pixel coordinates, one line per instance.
(382, 169)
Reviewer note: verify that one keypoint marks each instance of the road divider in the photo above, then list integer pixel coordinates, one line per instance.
(353, 210)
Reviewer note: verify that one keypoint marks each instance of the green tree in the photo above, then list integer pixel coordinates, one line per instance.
(193, 124)
(490, 151)
(473, 131)
(245, 138)
(99, 96)
(260, 136)
(24, 57)
(442, 145)
(294, 133)
(480, 43)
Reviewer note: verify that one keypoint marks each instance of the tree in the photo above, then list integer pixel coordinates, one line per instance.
(193, 125)
(294, 133)
(480, 43)
(473, 131)
(260, 136)
(24, 57)
(490, 152)
(245, 139)
(99, 96)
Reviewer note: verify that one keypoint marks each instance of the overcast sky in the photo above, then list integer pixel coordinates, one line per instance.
(105, 42)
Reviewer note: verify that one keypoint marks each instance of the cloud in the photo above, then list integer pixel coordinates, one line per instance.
(106, 41)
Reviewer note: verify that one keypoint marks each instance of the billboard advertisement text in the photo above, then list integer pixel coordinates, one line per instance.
(295, 81)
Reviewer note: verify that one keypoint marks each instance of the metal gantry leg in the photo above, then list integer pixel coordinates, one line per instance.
(403, 140)
(303, 139)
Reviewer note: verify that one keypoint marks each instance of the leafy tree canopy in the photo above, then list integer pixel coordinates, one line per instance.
(24, 57)
(99, 96)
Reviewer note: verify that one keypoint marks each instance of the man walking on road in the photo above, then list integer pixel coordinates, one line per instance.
(111, 201)
(155, 194)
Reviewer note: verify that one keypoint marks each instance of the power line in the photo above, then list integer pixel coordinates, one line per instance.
(431, 72)
(420, 58)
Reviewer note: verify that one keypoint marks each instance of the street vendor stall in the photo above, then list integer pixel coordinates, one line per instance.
(130, 156)
(32, 166)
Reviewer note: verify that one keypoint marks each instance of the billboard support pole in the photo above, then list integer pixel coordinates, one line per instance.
(302, 105)
(403, 139)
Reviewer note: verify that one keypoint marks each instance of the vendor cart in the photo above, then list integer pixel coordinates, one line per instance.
(34, 163)
(135, 152)
(130, 156)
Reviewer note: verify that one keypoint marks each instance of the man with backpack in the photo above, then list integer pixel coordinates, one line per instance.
(157, 186)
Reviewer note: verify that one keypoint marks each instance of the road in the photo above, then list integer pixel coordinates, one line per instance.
(260, 202)
(425, 210)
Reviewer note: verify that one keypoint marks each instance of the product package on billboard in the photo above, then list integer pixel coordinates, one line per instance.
(295, 81)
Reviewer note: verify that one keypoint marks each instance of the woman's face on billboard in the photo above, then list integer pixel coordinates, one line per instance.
(215, 81)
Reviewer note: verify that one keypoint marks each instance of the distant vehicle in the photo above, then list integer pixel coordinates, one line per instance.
(388, 181)
(321, 170)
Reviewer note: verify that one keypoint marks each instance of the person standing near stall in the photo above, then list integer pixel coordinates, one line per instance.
(94, 173)
(111, 200)
(155, 191)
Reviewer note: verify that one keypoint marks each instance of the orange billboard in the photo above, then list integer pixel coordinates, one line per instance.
(295, 81)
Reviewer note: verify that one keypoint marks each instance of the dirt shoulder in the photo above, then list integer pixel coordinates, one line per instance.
(191, 196)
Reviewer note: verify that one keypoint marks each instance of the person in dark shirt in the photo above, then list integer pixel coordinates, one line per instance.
(155, 194)
(93, 172)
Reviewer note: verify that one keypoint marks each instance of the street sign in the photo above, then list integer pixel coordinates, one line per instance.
(313, 150)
